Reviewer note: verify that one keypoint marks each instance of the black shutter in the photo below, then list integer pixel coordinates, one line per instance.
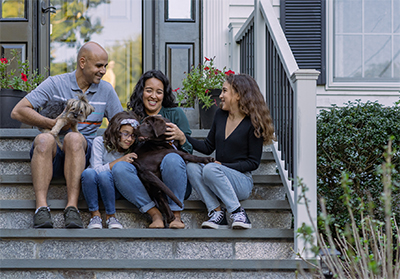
(303, 22)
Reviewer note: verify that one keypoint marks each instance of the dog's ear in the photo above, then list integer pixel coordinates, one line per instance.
(70, 103)
(159, 126)
(89, 109)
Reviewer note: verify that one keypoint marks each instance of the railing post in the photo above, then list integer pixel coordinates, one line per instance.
(259, 47)
(305, 150)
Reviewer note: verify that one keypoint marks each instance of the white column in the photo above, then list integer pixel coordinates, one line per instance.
(305, 149)
(259, 47)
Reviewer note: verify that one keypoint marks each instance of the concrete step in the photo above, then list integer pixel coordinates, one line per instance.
(18, 214)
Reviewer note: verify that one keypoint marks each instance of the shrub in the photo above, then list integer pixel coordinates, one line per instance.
(351, 139)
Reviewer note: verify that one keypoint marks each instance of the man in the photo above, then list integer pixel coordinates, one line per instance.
(92, 61)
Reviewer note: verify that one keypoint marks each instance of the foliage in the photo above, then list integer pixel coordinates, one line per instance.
(20, 78)
(370, 249)
(351, 139)
(199, 81)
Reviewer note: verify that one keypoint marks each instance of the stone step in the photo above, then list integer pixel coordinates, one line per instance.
(146, 244)
(18, 214)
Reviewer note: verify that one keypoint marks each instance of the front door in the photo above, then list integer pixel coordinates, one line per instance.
(24, 26)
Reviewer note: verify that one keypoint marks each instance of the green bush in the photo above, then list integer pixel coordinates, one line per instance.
(352, 139)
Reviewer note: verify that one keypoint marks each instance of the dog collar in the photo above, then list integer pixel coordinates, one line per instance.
(171, 142)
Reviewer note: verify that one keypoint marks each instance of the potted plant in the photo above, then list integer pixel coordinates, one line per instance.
(15, 83)
(203, 84)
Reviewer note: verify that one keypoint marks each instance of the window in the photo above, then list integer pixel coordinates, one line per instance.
(366, 41)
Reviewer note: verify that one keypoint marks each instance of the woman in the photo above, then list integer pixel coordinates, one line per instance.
(241, 126)
(107, 150)
(153, 96)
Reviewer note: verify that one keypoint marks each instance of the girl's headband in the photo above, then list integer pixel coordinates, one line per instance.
(133, 122)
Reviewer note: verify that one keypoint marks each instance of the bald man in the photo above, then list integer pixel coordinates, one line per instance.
(47, 159)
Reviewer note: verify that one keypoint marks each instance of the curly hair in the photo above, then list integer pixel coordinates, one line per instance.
(111, 134)
(252, 104)
(136, 100)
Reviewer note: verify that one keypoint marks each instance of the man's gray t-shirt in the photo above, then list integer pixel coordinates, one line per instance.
(101, 96)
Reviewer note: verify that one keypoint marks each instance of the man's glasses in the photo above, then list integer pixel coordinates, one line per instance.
(126, 135)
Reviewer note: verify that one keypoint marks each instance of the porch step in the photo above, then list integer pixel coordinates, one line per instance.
(265, 251)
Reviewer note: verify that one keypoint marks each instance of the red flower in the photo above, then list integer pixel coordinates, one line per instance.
(206, 68)
(4, 60)
(176, 89)
(207, 91)
(230, 72)
(24, 77)
(207, 59)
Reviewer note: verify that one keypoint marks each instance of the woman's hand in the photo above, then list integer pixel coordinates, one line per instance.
(174, 133)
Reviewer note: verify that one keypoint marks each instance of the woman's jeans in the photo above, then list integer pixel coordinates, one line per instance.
(214, 181)
(173, 174)
(93, 183)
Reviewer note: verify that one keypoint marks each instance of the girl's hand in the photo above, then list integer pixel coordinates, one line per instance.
(174, 133)
(217, 162)
(130, 157)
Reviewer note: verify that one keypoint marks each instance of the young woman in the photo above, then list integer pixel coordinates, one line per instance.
(153, 96)
(114, 146)
(241, 126)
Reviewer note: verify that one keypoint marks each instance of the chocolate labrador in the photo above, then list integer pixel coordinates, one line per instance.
(151, 153)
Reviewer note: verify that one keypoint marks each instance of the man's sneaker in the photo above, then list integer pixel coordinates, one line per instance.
(113, 223)
(42, 218)
(95, 223)
(72, 218)
(217, 220)
(240, 220)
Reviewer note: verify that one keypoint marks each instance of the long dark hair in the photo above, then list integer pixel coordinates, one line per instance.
(136, 100)
(252, 104)
(111, 134)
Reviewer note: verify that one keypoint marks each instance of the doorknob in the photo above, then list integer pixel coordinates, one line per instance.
(48, 9)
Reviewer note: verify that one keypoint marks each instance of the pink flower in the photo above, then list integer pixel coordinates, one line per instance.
(215, 102)
(24, 77)
(4, 60)
(230, 72)
(207, 59)
(176, 89)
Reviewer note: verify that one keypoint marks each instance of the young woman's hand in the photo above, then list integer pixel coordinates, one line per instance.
(174, 133)
(130, 157)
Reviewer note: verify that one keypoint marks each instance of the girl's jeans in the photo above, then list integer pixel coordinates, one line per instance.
(93, 183)
(173, 174)
(214, 181)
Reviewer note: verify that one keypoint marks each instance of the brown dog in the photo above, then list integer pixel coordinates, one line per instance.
(151, 153)
(71, 112)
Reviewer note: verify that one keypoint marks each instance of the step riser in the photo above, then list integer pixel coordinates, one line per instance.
(147, 249)
(18, 168)
(26, 192)
(260, 219)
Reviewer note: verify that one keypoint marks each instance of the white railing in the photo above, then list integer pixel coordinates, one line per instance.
(291, 95)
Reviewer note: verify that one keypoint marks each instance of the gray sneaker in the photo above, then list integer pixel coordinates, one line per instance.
(72, 218)
(113, 223)
(95, 223)
(42, 218)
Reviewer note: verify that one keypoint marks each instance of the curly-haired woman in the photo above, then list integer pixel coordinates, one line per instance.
(107, 150)
(153, 96)
(241, 126)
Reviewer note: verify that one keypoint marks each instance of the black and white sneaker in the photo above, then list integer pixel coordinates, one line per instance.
(217, 220)
(240, 220)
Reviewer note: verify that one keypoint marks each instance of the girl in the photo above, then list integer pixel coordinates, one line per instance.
(241, 126)
(114, 146)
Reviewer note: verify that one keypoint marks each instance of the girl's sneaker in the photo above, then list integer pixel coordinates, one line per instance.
(113, 223)
(240, 220)
(95, 223)
(217, 220)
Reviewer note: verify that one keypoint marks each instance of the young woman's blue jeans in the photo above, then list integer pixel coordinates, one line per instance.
(93, 183)
(214, 181)
(173, 174)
